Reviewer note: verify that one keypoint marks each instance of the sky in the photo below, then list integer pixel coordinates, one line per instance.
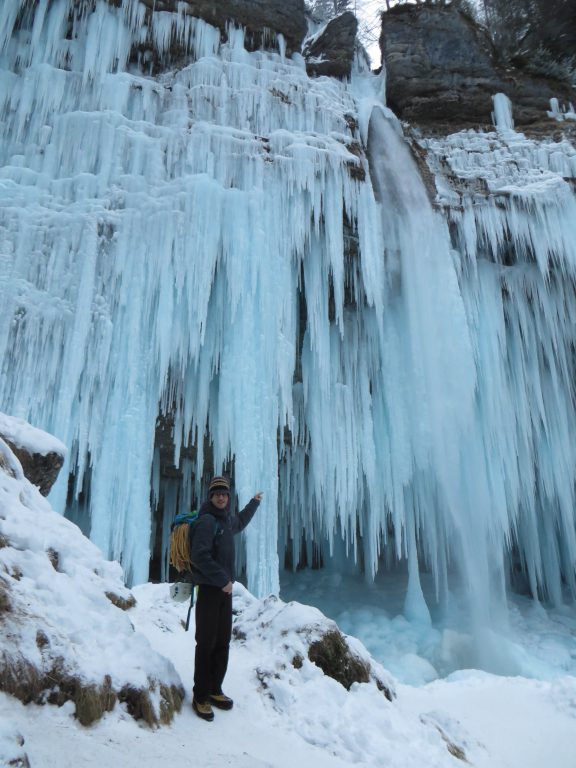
(368, 12)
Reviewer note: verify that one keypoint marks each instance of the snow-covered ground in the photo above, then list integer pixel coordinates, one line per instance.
(53, 586)
(304, 718)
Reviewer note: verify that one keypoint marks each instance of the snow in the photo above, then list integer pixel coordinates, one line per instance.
(304, 717)
(515, 722)
(283, 712)
(57, 584)
(23, 435)
(530, 640)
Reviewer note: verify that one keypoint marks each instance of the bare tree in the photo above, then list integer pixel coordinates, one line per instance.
(537, 34)
(328, 9)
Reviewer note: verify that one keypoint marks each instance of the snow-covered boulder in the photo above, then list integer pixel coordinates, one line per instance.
(40, 454)
(298, 636)
(64, 635)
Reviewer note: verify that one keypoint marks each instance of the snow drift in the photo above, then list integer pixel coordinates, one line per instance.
(64, 631)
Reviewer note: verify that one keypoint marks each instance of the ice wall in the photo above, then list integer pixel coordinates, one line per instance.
(512, 212)
(488, 296)
(153, 232)
(211, 243)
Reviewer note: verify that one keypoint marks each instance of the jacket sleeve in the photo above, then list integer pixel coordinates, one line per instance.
(241, 520)
(201, 549)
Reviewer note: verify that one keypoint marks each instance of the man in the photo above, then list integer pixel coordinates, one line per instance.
(212, 552)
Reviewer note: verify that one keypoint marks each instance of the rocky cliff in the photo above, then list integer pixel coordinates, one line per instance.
(331, 52)
(441, 68)
(286, 17)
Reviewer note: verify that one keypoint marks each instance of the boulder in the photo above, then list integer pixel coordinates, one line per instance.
(41, 469)
(331, 52)
(40, 454)
(441, 67)
(332, 654)
(297, 640)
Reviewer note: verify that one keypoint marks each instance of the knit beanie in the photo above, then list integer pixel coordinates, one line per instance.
(218, 483)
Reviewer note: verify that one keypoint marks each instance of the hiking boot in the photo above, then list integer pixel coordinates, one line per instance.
(203, 710)
(221, 701)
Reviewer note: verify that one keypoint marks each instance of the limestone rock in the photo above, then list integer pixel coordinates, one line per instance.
(332, 51)
(441, 67)
(41, 455)
(286, 17)
(42, 471)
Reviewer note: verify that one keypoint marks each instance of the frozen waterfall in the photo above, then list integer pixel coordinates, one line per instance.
(208, 248)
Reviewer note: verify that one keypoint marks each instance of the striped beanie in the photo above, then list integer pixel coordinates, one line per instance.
(218, 483)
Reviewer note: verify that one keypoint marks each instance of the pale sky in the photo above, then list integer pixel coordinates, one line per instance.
(368, 12)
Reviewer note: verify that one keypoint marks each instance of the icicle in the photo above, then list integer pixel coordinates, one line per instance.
(415, 608)
(200, 245)
(502, 114)
(152, 263)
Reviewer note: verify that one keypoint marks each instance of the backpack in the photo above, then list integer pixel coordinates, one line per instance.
(180, 542)
(181, 532)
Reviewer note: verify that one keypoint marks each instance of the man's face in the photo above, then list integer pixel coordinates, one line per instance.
(219, 499)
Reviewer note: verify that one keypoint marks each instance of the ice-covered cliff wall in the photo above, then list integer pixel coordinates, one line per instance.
(154, 233)
(211, 245)
(511, 208)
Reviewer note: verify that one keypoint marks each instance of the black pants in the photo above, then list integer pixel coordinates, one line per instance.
(213, 633)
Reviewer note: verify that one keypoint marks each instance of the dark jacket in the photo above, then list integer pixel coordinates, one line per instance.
(212, 542)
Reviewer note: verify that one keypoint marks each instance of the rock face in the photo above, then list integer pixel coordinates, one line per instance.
(440, 67)
(331, 53)
(41, 470)
(40, 454)
(286, 17)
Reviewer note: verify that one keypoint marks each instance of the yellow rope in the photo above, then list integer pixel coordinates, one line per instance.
(180, 548)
